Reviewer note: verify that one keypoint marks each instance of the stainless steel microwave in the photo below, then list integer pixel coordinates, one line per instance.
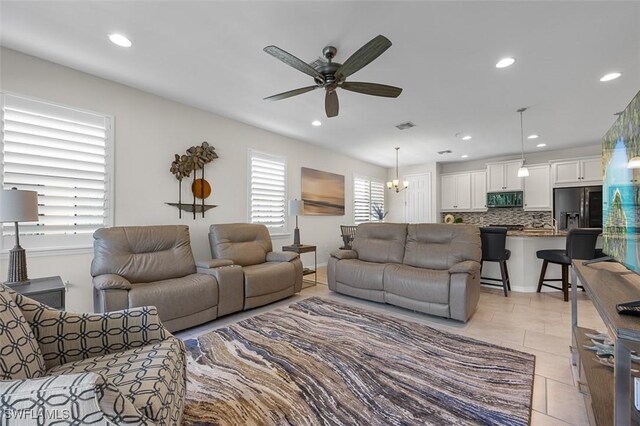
(504, 199)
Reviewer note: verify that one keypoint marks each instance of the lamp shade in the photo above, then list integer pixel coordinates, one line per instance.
(296, 207)
(18, 206)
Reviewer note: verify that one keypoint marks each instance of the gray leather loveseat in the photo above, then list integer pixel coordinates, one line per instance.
(430, 268)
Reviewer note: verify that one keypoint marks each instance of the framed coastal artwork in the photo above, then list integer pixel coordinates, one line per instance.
(322, 193)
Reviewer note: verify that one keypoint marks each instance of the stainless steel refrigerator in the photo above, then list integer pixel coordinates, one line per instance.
(578, 207)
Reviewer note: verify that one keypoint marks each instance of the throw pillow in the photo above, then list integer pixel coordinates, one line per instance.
(20, 356)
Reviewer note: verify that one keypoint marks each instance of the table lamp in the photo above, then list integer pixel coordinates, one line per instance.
(18, 206)
(296, 208)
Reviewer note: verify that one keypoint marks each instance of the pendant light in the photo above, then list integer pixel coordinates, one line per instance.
(634, 163)
(522, 171)
(395, 183)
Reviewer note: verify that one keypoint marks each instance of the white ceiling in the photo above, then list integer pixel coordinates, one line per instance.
(209, 54)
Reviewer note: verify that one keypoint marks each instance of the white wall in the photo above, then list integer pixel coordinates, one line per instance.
(148, 131)
(395, 202)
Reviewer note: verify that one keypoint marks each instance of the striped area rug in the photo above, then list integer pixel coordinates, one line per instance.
(319, 362)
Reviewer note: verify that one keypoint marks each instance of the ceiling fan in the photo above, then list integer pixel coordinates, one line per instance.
(331, 75)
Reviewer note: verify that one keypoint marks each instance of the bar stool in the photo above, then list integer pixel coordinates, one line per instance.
(494, 240)
(581, 244)
(348, 233)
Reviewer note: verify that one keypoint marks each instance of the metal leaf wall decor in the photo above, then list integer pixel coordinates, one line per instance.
(183, 165)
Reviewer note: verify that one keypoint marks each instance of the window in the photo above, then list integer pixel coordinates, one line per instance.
(64, 155)
(268, 191)
(367, 192)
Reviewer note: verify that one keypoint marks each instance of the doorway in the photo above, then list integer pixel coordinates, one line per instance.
(417, 198)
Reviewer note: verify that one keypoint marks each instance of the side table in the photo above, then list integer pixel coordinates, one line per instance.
(304, 248)
(48, 290)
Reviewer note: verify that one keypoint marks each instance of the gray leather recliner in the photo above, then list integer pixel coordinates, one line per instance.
(154, 265)
(268, 275)
(430, 268)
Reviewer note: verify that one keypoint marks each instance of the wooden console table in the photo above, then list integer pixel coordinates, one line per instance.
(608, 394)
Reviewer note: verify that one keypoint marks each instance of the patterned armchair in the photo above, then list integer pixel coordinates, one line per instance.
(116, 368)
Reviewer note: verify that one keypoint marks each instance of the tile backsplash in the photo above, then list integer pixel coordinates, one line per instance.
(505, 216)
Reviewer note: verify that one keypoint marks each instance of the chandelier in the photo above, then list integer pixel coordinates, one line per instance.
(395, 183)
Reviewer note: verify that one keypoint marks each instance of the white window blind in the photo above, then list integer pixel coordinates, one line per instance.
(367, 192)
(268, 191)
(63, 154)
(361, 200)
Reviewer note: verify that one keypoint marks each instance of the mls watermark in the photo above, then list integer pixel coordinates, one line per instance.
(42, 414)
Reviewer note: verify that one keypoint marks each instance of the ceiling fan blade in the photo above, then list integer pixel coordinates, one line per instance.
(292, 61)
(363, 56)
(374, 89)
(331, 104)
(290, 93)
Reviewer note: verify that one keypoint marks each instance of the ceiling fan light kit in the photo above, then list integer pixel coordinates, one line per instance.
(331, 76)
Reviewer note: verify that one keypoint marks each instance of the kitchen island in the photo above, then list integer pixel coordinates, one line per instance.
(524, 267)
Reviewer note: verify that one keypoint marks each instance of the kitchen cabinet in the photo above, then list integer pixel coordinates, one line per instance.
(464, 191)
(577, 172)
(504, 176)
(479, 190)
(455, 190)
(537, 188)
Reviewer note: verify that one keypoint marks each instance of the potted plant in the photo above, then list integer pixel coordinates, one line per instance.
(378, 213)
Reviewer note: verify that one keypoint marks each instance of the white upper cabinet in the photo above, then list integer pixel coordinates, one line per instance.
(537, 188)
(463, 191)
(448, 192)
(591, 170)
(504, 176)
(479, 190)
(577, 172)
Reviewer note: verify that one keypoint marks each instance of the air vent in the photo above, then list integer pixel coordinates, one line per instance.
(448, 151)
(405, 126)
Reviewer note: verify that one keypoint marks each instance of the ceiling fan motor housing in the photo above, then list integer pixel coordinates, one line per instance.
(328, 70)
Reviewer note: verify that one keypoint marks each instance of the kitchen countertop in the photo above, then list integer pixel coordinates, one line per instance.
(536, 232)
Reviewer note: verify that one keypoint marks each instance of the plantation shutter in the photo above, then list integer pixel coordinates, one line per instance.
(366, 193)
(268, 191)
(61, 153)
(377, 195)
(361, 200)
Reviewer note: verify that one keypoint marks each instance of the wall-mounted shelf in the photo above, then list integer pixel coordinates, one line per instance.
(188, 207)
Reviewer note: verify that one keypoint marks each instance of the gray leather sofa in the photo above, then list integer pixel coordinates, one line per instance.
(267, 275)
(430, 268)
(154, 265)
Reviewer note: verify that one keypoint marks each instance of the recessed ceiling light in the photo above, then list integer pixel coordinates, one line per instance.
(533, 137)
(465, 156)
(610, 76)
(316, 123)
(540, 145)
(120, 40)
(466, 138)
(505, 62)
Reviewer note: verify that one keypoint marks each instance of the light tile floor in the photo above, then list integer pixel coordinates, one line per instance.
(530, 322)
